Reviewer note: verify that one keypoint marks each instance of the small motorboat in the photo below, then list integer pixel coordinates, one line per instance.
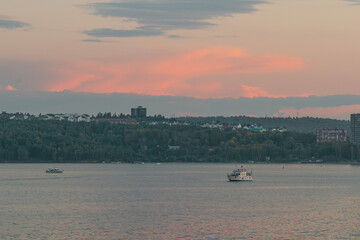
(54, 170)
(240, 174)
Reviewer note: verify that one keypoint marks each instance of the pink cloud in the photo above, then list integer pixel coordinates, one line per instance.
(340, 112)
(175, 74)
(223, 60)
(251, 92)
(10, 88)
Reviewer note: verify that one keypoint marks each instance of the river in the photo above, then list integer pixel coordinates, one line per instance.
(179, 201)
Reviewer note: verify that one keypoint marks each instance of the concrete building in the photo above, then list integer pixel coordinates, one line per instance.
(331, 134)
(138, 112)
(355, 127)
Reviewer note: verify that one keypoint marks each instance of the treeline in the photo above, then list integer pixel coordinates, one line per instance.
(62, 141)
(298, 124)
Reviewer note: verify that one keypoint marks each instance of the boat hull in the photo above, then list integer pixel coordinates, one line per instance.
(239, 178)
(54, 170)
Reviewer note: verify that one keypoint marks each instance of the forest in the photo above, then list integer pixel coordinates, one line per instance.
(38, 140)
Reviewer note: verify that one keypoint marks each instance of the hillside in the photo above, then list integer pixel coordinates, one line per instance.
(37, 140)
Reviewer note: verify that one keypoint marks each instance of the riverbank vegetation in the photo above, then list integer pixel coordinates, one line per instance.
(63, 141)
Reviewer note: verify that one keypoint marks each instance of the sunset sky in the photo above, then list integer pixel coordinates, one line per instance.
(201, 49)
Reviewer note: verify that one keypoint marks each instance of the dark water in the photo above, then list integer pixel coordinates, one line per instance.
(179, 201)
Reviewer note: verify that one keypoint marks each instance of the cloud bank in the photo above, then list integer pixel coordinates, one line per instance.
(11, 24)
(338, 112)
(355, 2)
(337, 106)
(203, 73)
(157, 17)
(108, 32)
(181, 74)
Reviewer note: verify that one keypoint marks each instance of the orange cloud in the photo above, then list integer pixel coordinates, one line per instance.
(224, 60)
(10, 88)
(175, 74)
(340, 112)
(255, 92)
(251, 92)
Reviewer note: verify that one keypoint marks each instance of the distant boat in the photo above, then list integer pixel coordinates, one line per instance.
(54, 170)
(240, 174)
(311, 161)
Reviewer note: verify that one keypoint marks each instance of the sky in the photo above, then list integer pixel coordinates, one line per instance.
(259, 50)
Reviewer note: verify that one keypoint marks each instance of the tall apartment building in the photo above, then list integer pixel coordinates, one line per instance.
(138, 112)
(355, 127)
(331, 134)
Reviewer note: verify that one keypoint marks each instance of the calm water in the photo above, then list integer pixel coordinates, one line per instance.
(179, 201)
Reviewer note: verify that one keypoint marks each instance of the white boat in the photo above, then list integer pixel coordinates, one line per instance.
(54, 170)
(240, 174)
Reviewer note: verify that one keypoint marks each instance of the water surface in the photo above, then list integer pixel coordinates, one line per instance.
(179, 201)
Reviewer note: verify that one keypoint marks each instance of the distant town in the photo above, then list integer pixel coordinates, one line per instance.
(135, 137)
(138, 114)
